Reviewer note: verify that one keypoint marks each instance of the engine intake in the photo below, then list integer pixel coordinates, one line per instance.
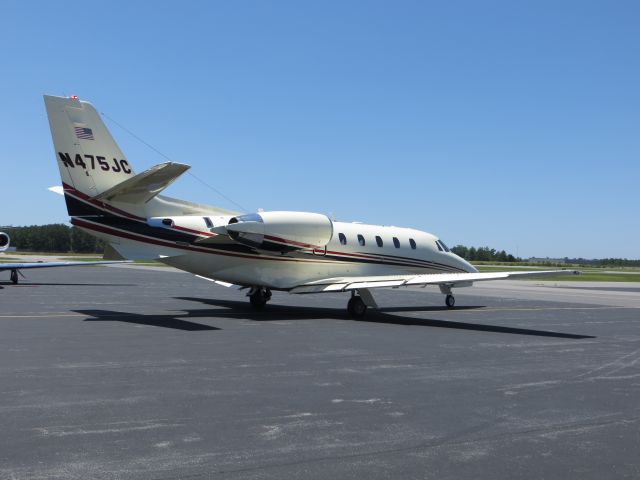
(4, 241)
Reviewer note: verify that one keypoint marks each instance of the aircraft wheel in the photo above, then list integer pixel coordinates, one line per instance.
(259, 298)
(450, 301)
(14, 276)
(356, 307)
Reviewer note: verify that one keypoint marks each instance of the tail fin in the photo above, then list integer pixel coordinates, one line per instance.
(89, 159)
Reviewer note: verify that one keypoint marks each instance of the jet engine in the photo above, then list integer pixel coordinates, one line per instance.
(281, 231)
(4, 241)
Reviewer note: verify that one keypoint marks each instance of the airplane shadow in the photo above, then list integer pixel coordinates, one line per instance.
(274, 312)
(429, 308)
(38, 284)
(166, 321)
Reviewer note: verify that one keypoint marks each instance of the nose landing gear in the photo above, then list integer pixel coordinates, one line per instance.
(450, 301)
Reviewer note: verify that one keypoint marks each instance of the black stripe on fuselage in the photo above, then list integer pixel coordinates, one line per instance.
(184, 240)
(391, 261)
(427, 263)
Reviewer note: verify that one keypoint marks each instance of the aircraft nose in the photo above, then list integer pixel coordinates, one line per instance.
(464, 265)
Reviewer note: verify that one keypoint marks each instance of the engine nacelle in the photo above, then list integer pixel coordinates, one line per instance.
(281, 231)
(4, 241)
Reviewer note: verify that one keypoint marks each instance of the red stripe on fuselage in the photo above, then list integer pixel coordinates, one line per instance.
(96, 203)
(144, 239)
(197, 232)
(418, 263)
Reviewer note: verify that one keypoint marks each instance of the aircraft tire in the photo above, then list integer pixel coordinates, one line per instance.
(14, 277)
(260, 298)
(356, 307)
(450, 301)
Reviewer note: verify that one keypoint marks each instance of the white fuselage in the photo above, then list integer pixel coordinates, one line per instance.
(353, 250)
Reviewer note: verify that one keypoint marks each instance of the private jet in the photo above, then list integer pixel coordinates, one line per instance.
(261, 252)
(15, 268)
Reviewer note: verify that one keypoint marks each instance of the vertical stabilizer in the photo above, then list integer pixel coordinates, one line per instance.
(89, 159)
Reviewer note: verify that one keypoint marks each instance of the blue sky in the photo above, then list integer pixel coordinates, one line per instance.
(510, 124)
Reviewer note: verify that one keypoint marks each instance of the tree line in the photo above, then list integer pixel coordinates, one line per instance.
(605, 262)
(57, 237)
(60, 238)
(486, 254)
(483, 254)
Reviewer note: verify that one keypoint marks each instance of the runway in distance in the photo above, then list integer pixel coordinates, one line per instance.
(16, 267)
(297, 252)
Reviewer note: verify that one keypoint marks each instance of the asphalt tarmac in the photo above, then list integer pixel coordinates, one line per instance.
(112, 372)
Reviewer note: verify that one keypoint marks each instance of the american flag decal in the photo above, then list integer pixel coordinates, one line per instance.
(84, 133)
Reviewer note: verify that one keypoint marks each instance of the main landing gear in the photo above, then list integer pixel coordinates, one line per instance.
(356, 307)
(258, 297)
(360, 300)
(14, 277)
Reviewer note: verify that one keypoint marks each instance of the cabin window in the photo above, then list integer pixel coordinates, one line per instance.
(412, 242)
(379, 241)
(343, 239)
(439, 247)
(396, 242)
(208, 222)
(361, 240)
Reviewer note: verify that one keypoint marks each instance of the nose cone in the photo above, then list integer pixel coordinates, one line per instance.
(463, 264)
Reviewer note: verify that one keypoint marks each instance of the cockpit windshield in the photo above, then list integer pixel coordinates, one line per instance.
(442, 246)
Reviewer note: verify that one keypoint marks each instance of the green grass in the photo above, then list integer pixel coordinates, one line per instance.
(506, 267)
(98, 259)
(82, 259)
(592, 277)
(586, 275)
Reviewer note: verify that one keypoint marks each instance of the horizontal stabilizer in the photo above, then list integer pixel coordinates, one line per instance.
(146, 185)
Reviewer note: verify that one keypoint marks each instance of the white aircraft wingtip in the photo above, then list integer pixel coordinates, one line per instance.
(56, 189)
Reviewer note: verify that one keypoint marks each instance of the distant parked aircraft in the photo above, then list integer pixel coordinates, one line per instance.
(16, 267)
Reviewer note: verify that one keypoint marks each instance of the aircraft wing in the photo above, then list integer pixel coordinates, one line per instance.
(25, 266)
(343, 284)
